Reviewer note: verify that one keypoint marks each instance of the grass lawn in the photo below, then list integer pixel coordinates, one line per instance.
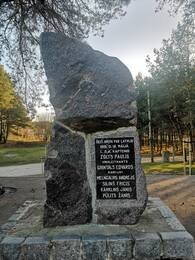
(172, 167)
(25, 155)
(21, 155)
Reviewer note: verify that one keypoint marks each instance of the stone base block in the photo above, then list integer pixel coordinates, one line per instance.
(115, 175)
(68, 192)
(154, 237)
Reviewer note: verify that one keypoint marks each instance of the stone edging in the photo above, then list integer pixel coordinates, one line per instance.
(177, 244)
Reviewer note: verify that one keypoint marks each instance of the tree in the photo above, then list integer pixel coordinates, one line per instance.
(43, 125)
(173, 72)
(141, 90)
(21, 23)
(12, 111)
(172, 85)
(176, 5)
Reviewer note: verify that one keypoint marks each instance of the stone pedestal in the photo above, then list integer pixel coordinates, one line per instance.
(115, 176)
(158, 235)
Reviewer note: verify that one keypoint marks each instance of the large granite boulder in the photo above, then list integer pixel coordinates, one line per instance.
(93, 164)
(88, 89)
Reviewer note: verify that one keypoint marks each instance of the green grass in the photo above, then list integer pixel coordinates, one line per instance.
(25, 155)
(21, 155)
(162, 168)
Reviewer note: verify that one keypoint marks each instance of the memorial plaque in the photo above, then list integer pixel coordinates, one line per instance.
(115, 168)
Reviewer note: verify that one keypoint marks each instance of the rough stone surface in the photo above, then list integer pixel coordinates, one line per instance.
(94, 247)
(151, 238)
(120, 247)
(147, 246)
(93, 94)
(10, 248)
(66, 247)
(113, 211)
(88, 89)
(177, 244)
(35, 248)
(1, 236)
(68, 193)
(7, 226)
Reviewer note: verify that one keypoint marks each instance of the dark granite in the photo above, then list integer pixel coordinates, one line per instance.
(66, 248)
(68, 193)
(35, 248)
(10, 248)
(92, 94)
(86, 85)
(120, 247)
(94, 247)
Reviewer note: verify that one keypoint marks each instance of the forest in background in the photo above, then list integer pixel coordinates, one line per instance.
(166, 99)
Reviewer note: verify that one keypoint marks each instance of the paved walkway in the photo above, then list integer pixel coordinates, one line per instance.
(21, 170)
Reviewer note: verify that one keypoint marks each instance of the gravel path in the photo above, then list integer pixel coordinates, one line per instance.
(178, 192)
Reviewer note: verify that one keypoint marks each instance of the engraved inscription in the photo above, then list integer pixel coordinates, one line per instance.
(115, 168)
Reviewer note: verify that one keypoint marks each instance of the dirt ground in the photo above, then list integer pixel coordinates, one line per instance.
(28, 188)
(178, 192)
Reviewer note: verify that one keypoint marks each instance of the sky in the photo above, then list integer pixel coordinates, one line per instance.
(135, 36)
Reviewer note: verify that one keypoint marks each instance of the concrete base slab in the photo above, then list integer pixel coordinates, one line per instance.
(158, 235)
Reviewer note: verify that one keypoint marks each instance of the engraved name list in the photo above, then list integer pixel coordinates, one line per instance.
(115, 168)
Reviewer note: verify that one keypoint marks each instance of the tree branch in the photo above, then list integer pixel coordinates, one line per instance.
(5, 1)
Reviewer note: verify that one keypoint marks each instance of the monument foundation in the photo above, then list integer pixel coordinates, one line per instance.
(157, 235)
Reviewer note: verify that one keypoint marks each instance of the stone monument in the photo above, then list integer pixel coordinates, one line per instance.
(93, 171)
(93, 165)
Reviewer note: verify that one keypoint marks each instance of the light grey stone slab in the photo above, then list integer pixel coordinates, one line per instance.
(166, 212)
(170, 218)
(157, 202)
(94, 247)
(65, 248)
(147, 246)
(10, 247)
(177, 244)
(8, 226)
(116, 211)
(95, 241)
(120, 247)
(35, 248)
(2, 236)
(14, 217)
(175, 224)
